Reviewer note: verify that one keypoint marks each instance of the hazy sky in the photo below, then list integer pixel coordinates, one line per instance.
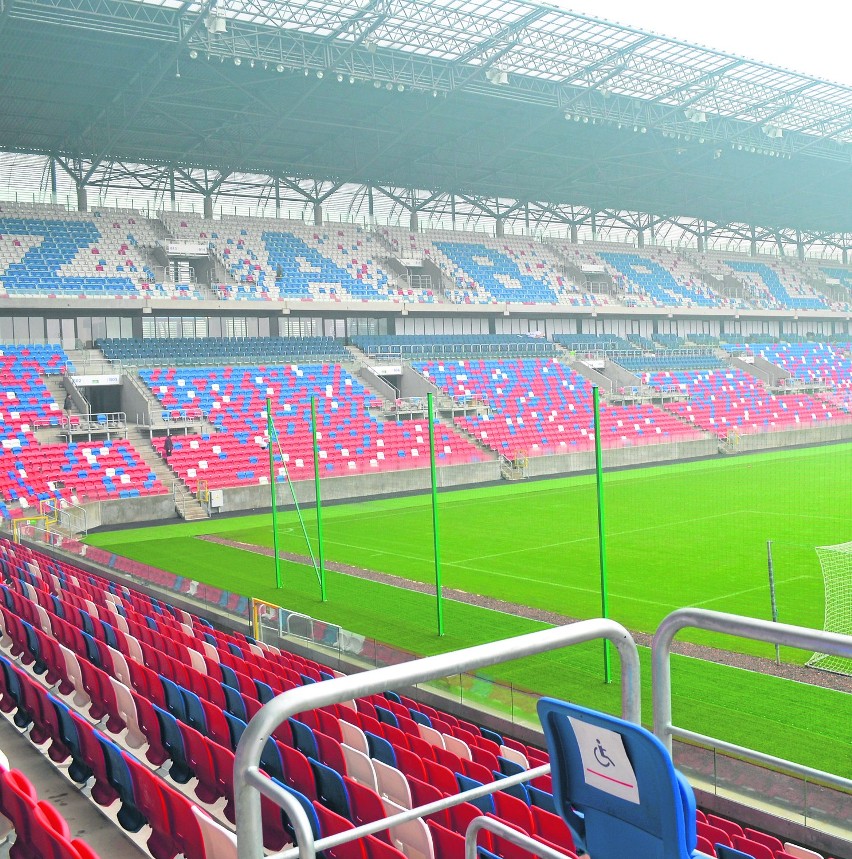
(811, 37)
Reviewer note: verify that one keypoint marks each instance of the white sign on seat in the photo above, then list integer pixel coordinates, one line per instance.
(605, 762)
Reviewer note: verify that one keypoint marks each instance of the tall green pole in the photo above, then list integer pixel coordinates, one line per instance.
(318, 498)
(601, 533)
(437, 539)
(271, 433)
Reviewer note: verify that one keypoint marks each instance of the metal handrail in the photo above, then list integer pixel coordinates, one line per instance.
(249, 782)
(745, 627)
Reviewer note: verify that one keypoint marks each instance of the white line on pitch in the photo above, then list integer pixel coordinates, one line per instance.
(595, 537)
(746, 591)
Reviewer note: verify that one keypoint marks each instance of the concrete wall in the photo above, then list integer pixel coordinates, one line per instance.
(133, 401)
(414, 385)
(377, 383)
(129, 511)
(360, 486)
(594, 376)
(540, 466)
(793, 438)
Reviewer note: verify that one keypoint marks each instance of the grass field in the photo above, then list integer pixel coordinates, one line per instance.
(688, 534)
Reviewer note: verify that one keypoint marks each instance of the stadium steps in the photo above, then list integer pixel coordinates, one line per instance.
(187, 505)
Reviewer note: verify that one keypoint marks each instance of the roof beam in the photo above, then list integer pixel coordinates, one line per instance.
(501, 36)
(141, 87)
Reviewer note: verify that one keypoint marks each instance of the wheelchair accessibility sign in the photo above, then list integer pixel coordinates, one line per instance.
(605, 762)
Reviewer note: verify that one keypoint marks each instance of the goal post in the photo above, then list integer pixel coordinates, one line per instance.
(836, 564)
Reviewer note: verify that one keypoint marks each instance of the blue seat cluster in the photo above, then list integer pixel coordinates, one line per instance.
(776, 289)
(661, 361)
(593, 342)
(307, 273)
(57, 243)
(458, 345)
(652, 279)
(478, 265)
(203, 351)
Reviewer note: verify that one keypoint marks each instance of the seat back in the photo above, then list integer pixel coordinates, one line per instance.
(622, 778)
(218, 842)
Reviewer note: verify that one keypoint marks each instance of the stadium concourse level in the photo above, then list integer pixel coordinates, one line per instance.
(32, 471)
(49, 251)
(142, 705)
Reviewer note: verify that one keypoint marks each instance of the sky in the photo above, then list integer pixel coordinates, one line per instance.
(811, 38)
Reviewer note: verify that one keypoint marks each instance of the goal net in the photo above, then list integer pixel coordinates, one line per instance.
(836, 563)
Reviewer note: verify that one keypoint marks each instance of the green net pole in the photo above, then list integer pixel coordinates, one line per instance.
(437, 540)
(270, 429)
(320, 552)
(601, 533)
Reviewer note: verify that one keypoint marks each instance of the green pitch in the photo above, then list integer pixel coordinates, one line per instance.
(687, 534)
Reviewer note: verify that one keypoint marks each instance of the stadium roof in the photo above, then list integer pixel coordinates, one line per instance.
(495, 99)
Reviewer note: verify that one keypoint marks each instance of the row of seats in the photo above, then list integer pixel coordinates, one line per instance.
(543, 407)
(203, 351)
(408, 346)
(184, 732)
(51, 251)
(727, 400)
(170, 691)
(351, 440)
(32, 471)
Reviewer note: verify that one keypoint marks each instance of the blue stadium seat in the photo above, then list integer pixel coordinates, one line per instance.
(621, 777)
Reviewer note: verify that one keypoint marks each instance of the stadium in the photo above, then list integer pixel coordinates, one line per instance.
(414, 415)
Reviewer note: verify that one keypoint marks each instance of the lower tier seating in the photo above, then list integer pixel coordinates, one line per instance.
(724, 400)
(351, 439)
(543, 407)
(143, 705)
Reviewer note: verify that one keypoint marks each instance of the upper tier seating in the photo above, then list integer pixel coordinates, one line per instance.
(483, 270)
(409, 346)
(843, 275)
(204, 351)
(494, 275)
(730, 399)
(277, 259)
(50, 251)
(774, 285)
(640, 272)
(543, 407)
(351, 440)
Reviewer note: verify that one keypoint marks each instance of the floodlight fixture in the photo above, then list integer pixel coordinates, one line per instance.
(279, 68)
(775, 132)
(237, 61)
(216, 24)
(193, 54)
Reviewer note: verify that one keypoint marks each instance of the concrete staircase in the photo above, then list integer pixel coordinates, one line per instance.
(187, 505)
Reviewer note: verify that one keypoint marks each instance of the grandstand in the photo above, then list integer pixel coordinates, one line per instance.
(216, 216)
